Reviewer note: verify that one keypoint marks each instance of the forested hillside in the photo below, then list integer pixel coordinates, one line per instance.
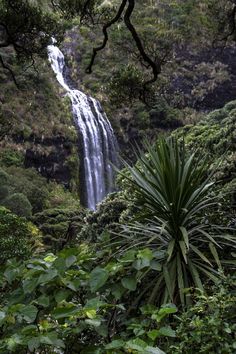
(117, 176)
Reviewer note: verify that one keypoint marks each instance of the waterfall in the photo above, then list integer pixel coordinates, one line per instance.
(96, 137)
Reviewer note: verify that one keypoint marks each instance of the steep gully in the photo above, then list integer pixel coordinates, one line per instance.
(97, 142)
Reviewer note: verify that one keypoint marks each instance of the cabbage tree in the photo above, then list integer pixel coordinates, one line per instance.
(174, 196)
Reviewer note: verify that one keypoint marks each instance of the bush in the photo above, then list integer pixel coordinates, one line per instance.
(3, 192)
(19, 204)
(163, 116)
(10, 157)
(209, 326)
(31, 184)
(105, 218)
(57, 224)
(17, 237)
(4, 177)
(125, 86)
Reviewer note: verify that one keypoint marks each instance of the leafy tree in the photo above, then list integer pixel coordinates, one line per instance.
(31, 184)
(174, 198)
(17, 237)
(19, 204)
(26, 26)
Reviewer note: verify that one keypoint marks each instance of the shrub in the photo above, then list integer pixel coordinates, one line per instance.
(31, 184)
(3, 192)
(19, 204)
(16, 236)
(55, 223)
(10, 157)
(163, 116)
(4, 177)
(105, 218)
(209, 326)
(125, 85)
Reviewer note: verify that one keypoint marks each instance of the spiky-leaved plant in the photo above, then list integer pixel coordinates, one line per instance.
(174, 198)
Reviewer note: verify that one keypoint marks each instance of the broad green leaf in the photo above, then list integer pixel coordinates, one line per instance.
(141, 263)
(29, 313)
(128, 257)
(102, 330)
(90, 313)
(145, 254)
(155, 265)
(52, 339)
(50, 258)
(48, 276)
(63, 312)
(153, 350)
(115, 344)
(117, 290)
(136, 344)
(11, 274)
(95, 303)
(29, 330)
(153, 334)
(33, 343)
(93, 322)
(29, 285)
(98, 278)
(62, 295)
(43, 300)
(167, 332)
(70, 260)
(72, 284)
(129, 283)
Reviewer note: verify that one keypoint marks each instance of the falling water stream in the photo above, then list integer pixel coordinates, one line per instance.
(97, 140)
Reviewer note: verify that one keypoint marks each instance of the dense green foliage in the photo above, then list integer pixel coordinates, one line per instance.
(62, 302)
(17, 237)
(209, 326)
(19, 204)
(55, 225)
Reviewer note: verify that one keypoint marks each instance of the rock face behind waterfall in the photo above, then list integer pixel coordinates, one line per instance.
(97, 144)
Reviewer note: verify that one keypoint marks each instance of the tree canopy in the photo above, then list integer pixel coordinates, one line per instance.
(167, 24)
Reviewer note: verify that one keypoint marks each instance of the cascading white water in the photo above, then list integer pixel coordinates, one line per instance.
(99, 147)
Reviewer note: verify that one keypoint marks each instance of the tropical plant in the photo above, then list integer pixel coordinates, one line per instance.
(173, 194)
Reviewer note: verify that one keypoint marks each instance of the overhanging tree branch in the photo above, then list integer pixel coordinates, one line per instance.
(105, 34)
(154, 65)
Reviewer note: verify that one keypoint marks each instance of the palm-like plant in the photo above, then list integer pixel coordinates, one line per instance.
(173, 195)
